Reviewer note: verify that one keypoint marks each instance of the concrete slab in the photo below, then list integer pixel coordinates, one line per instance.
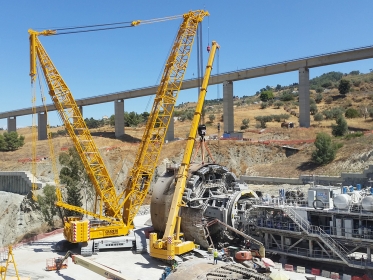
(31, 261)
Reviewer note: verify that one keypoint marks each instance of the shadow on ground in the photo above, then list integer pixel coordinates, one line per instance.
(307, 166)
(111, 135)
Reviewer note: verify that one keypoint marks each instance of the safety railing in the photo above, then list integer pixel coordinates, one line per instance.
(337, 248)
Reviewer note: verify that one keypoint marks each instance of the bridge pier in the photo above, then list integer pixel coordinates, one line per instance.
(228, 114)
(12, 124)
(170, 134)
(304, 97)
(119, 117)
(42, 126)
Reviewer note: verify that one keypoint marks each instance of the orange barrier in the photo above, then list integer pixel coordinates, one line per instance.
(289, 267)
(356, 278)
(366, 277)
(315, 271)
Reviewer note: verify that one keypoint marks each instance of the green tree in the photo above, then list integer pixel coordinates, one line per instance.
(73, 198)
(92, 123)
(341, 128)
(344, 86)
(325, 150)
(47, 204)
(11, 141)
(266, 95)
(74, 175)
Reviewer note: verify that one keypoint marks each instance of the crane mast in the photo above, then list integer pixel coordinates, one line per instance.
(171, 245)
(140, 177)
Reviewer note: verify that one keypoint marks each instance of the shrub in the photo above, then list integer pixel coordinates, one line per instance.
(266, 95)
(341, 128)
(354, 135)
(211, 118)
(287, 97)
(352, 113)
(11, 141)
(277, 118)
(284, 116)
(245, 123)
(328, 100)
(318, 117)
(344, 86)
(318, 98)
(278, 104)
(313, 109)
(263, 105)
(325, 150)
(263, 121)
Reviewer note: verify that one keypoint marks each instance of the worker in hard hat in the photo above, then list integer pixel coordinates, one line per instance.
(216, 255)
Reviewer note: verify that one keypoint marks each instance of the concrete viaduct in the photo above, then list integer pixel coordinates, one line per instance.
(301, 65)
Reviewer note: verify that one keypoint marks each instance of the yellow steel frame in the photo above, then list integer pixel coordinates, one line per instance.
(76, 127)
(170, 246)
(10, 259)
(141, 174)
(147, 156)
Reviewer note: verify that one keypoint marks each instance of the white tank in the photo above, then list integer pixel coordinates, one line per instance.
(367, 203)
(342, 201)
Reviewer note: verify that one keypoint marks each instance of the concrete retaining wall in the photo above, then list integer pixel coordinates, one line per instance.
(17, 182)
(346, 179)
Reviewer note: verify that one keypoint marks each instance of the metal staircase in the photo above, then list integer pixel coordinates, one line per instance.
(336, 247)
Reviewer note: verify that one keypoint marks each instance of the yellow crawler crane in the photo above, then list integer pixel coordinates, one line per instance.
(171, 244)
(116, 212)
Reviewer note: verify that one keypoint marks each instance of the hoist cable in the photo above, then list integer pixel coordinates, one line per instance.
(218, 72)
(89, 26)
(208, 31)
(92, 28)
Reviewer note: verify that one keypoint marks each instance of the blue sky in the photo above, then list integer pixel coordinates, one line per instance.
(251, 33)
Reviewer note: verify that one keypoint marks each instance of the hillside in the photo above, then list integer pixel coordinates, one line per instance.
(241, 157)
(261, 156)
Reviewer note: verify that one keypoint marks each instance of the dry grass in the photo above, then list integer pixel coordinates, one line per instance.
(120, 152)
